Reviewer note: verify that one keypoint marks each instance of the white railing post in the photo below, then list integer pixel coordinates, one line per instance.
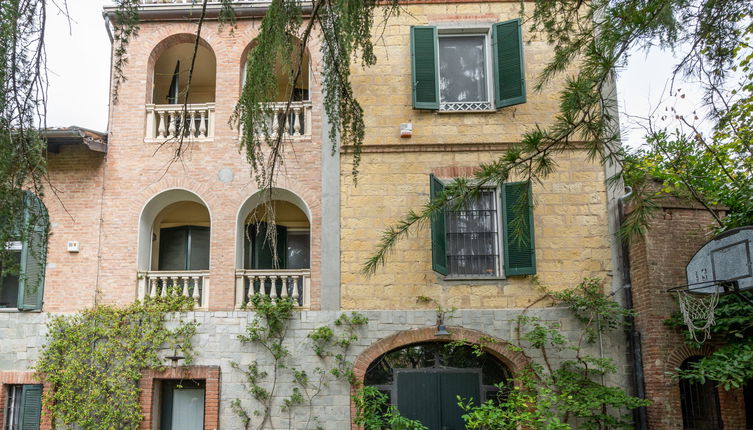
(171, 121)
(193, 284)
(288, 278)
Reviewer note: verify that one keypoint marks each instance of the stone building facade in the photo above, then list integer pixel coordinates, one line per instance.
(123, 208)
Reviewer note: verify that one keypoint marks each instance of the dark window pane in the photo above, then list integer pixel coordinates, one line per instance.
(700, 402)
(9, 281)
(199, 256)
(462, 69)
(173, 244)
(472, 237)
(13, 407)
(298, 250)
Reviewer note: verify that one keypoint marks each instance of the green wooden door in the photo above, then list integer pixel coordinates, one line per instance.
(430, 396)
(467, 385)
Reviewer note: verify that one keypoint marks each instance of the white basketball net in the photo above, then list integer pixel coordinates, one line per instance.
(698, 310)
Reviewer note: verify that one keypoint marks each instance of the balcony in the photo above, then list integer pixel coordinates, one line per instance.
(279, 283)
(188, 283)
(171, 121)
(296, 124)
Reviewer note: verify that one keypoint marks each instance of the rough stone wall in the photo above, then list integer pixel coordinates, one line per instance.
(217, 345)
(657, 262)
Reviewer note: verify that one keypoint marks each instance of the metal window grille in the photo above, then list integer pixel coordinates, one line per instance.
(472, 237)
(13, 408)
(700, 403)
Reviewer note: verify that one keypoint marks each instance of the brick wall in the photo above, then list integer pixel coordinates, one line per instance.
(657, 262)
(209, 374)
(15, 378)
(116, 188)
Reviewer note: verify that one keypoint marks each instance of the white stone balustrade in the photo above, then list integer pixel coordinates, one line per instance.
(297, 123)
(273, 283)
(197, 3)
(189, 283)
(169, 122)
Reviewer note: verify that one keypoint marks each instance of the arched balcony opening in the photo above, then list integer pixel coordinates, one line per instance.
(170, 92)
(297, 123)
(275, 257)
(174, 247)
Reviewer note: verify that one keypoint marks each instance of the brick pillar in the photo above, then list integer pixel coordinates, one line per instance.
(657, 263)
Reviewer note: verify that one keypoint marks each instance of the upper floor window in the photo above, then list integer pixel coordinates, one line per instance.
(300, 89)
(467, 69)
(467, 241)
(22, 269)
(276, 257)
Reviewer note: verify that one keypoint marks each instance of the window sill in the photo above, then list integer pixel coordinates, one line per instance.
(458, 278)
(439, 111)
(18, 311)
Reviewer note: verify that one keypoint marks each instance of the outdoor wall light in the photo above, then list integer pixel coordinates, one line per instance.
(175, 357)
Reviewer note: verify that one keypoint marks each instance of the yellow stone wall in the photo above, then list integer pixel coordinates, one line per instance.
(570, 214)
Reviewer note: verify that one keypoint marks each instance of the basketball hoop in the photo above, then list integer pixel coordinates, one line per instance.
(697, 310)
(722, 266)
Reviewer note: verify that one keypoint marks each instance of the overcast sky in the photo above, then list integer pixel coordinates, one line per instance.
(78, 59)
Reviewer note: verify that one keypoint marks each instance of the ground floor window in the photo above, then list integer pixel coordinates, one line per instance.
(181, 404)
(700, 402)
(424, 380)
(23, 407)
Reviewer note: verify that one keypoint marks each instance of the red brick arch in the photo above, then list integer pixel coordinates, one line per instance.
(499, 348)
(682, 353)
(162, 46)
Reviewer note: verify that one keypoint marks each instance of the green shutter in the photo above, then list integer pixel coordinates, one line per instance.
(424, 57)
(438, 238)
(33, 254)
(517, 217)
(509, 71)
(31, 407)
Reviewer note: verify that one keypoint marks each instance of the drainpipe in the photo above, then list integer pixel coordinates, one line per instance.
(640, 418)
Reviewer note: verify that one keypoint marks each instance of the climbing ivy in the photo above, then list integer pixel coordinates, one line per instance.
(269, 331)
(93, 360)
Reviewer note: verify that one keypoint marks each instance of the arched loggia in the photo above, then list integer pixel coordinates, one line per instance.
(273, 247)
(174, 246)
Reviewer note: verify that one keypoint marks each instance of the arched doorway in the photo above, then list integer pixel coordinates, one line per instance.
(423, 380)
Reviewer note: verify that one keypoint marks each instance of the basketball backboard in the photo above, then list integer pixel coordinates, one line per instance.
(723, 259)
